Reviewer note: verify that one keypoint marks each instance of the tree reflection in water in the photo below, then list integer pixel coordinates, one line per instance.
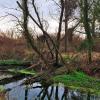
(64, 96)
(46, 92)
(26, 93)
(56, 93)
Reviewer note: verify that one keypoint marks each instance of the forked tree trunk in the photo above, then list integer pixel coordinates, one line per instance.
(26, 32)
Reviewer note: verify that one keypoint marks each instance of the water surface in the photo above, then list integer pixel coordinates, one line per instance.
(36, 91)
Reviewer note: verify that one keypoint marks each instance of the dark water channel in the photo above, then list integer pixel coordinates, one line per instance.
(40, 92)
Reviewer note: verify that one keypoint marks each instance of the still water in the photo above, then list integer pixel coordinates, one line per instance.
(40, 92)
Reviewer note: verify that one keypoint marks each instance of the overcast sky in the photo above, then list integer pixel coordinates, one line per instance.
(7, 23)
(4, 9)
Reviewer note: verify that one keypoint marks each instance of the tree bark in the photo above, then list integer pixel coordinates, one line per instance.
(66, 26)
(87, 30)
(26, 32)
(59, 32)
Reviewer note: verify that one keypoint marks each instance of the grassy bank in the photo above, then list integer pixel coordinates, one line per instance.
(80, 81)
(74, 80)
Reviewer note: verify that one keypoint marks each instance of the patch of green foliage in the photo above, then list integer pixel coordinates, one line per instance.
(10, 62)
(70, 59)
(79, 80)
(24, 71)
(84, 46)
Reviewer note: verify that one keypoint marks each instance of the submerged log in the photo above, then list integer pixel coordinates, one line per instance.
(11, 79)
(46, 76)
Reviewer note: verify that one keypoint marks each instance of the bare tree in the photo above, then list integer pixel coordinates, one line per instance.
(70, 5)
(85, 15)
(59, 30)
(56, 45)
(26, 33)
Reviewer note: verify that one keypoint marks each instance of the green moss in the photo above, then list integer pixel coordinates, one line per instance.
(2, 88)
(27, 72)
(79, 80)
(70, 58)
(11, 62)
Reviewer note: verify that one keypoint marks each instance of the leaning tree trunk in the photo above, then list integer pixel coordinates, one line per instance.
(26, 33)
(26, 13)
